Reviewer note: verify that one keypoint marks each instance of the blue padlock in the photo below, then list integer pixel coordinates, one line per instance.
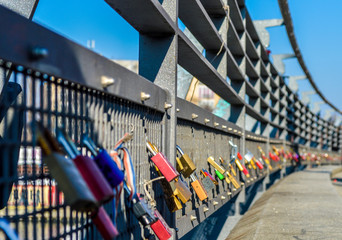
(104, 161)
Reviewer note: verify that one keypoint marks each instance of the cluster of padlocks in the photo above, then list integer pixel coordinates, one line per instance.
(89, 182)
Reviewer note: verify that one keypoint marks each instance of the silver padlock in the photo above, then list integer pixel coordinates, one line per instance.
(77, 193)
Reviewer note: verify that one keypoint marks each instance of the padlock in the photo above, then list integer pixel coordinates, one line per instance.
(162, 163)
(275, 150)
(104, 224)
(249, 159)
(207, 183)
(273, 157)
(172, 202)
(219, 175)
(142, 211)
(188, 166)
(266, 160)
(70, 182)
(219, 171)
(160, 228)
(241, 167)
(233, 180)
(224, 163)
(232, 169)
(258, 163)
(88, 169)
(198, 187)
(5, 227)
(206, 173)
(108, 167)
(230, 178)
(180, 189)
(233, 156)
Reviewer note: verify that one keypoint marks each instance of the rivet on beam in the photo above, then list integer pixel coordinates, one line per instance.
(144, 96)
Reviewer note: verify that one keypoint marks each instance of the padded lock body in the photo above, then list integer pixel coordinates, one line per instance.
(234, 181)
(199, 189)
(70, 182)
(219, 175)
(216, 165)
(180, 190)
(109, 169)
(160, 227)
(165, 167)
(188, 165)
(104, 224)
(143, 212)
(208, 184)
(172, 202)
(259, 165)
(94, 178)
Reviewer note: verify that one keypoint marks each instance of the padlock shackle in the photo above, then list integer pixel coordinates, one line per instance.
(151, 148)
(67, 143)
(46, 141)
(90, 145)
(179, 150)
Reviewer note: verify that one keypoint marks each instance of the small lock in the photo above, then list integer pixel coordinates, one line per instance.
(70, 181)
(172, 202)
(232, 169)
(7, 230)
(241, 167)
(162, 163)
(224, 163)
(259, 165)
(249, 159)
(186, 162)
(207, 183)
(108, 167)
(212, 162)
(160, 228)
(142, 211)
(181, 190)
(88, 169)
(233, 180)
(198, 187)
(104, 224)
(206, 173)
(219, 175)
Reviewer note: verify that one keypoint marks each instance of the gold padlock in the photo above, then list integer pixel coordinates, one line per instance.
(233, 180)
(232, 170)
(212, 162)
(186, 164)
(172, 203)
(180, 189)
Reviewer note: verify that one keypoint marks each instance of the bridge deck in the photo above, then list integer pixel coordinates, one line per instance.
(304, 205)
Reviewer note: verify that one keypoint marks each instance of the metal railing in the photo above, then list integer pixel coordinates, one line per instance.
(62, 84)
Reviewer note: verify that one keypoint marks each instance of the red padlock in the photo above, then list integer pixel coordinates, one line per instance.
(162, 163)
(260, 166)
(104, 224)
(92, 175)
(160, 227)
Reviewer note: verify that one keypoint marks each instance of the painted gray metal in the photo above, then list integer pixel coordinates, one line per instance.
(261, 25)
(285, 11)
(272, 114)
(25, 8)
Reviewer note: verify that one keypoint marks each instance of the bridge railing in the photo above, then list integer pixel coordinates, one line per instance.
(64, 85)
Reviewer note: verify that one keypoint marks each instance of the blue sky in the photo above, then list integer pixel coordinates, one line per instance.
(316, 27)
